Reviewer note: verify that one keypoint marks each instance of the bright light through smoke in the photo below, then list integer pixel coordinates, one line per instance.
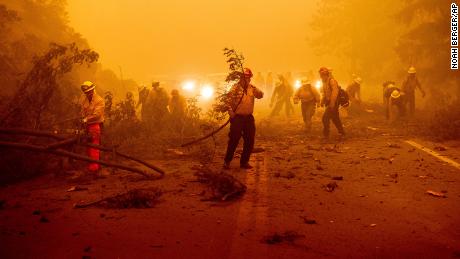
(207, 91)
(188, 86)
(318, 84)
(297, 84)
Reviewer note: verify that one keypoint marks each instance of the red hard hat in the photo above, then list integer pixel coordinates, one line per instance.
(247, 72)
(324, 70)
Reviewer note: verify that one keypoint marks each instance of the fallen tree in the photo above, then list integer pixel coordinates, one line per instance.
(56, 149)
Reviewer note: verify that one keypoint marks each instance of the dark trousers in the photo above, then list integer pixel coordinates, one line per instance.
(410, 101)
(241, 125)
(332, 114)
(286, 102)
(308, 110)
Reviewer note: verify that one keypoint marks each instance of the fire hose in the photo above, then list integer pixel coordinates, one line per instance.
(56, 149)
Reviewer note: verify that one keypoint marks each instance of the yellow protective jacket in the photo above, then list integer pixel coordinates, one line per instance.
(307, 93)
(92, 111)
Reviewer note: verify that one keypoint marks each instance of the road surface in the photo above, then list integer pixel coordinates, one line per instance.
(365, 197)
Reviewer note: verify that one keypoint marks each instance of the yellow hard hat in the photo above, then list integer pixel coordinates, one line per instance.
(395, 94)
(87, 86)
(411, 70)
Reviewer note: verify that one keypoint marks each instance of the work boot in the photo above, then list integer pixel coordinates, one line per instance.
(246, 166)
(342, 136)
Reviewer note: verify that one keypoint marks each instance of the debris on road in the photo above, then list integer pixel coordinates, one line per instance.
(372, 225)
(334, 149)
(308, 220)
(222, 186)
(440, 148)
(372, 128)
(287, 175)
(2, 204)
(44, 219)
(288, 236)
(394, 176)
(36, 212)
(436, 194)
(394, 145)
(76, 188)
(175, 152)
(337, 178)
(330, 187)
(137, 199)
(313, 148)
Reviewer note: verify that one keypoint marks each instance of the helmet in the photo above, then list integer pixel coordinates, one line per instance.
(87, 86)
(411, 70)
(358, 80)
(129, 95)
(395, 94)
(174, 92)
(324, 71)
(247, 72)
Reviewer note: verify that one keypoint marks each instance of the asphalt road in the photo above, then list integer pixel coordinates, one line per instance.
(365, 197)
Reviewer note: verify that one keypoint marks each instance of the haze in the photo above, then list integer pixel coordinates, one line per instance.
(175, 37)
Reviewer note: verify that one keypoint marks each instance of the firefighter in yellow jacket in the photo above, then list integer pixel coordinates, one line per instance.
(92, 116)
(308, 97)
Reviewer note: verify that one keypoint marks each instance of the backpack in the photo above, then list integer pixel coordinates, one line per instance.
(343, 99)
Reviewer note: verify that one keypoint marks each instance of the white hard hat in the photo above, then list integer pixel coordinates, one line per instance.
(412, 70)
(358, 80)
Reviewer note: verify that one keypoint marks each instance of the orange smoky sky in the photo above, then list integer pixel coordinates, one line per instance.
(176, 37)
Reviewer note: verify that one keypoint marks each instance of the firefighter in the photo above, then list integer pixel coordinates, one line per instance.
(92, 116)
(308, 97)
(385, 85)
(269, 82)
(240, 109)
(330, 101)
(290, 88)
(354, 91)
(394, 99)
(408, 87)
(157, 105)
(129, 109)
(143, 93)
(177, 107)
(281, 97)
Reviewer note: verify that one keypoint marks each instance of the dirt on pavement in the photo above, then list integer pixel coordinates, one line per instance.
(363, 197)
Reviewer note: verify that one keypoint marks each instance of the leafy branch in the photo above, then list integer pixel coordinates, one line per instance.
(235, 62)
